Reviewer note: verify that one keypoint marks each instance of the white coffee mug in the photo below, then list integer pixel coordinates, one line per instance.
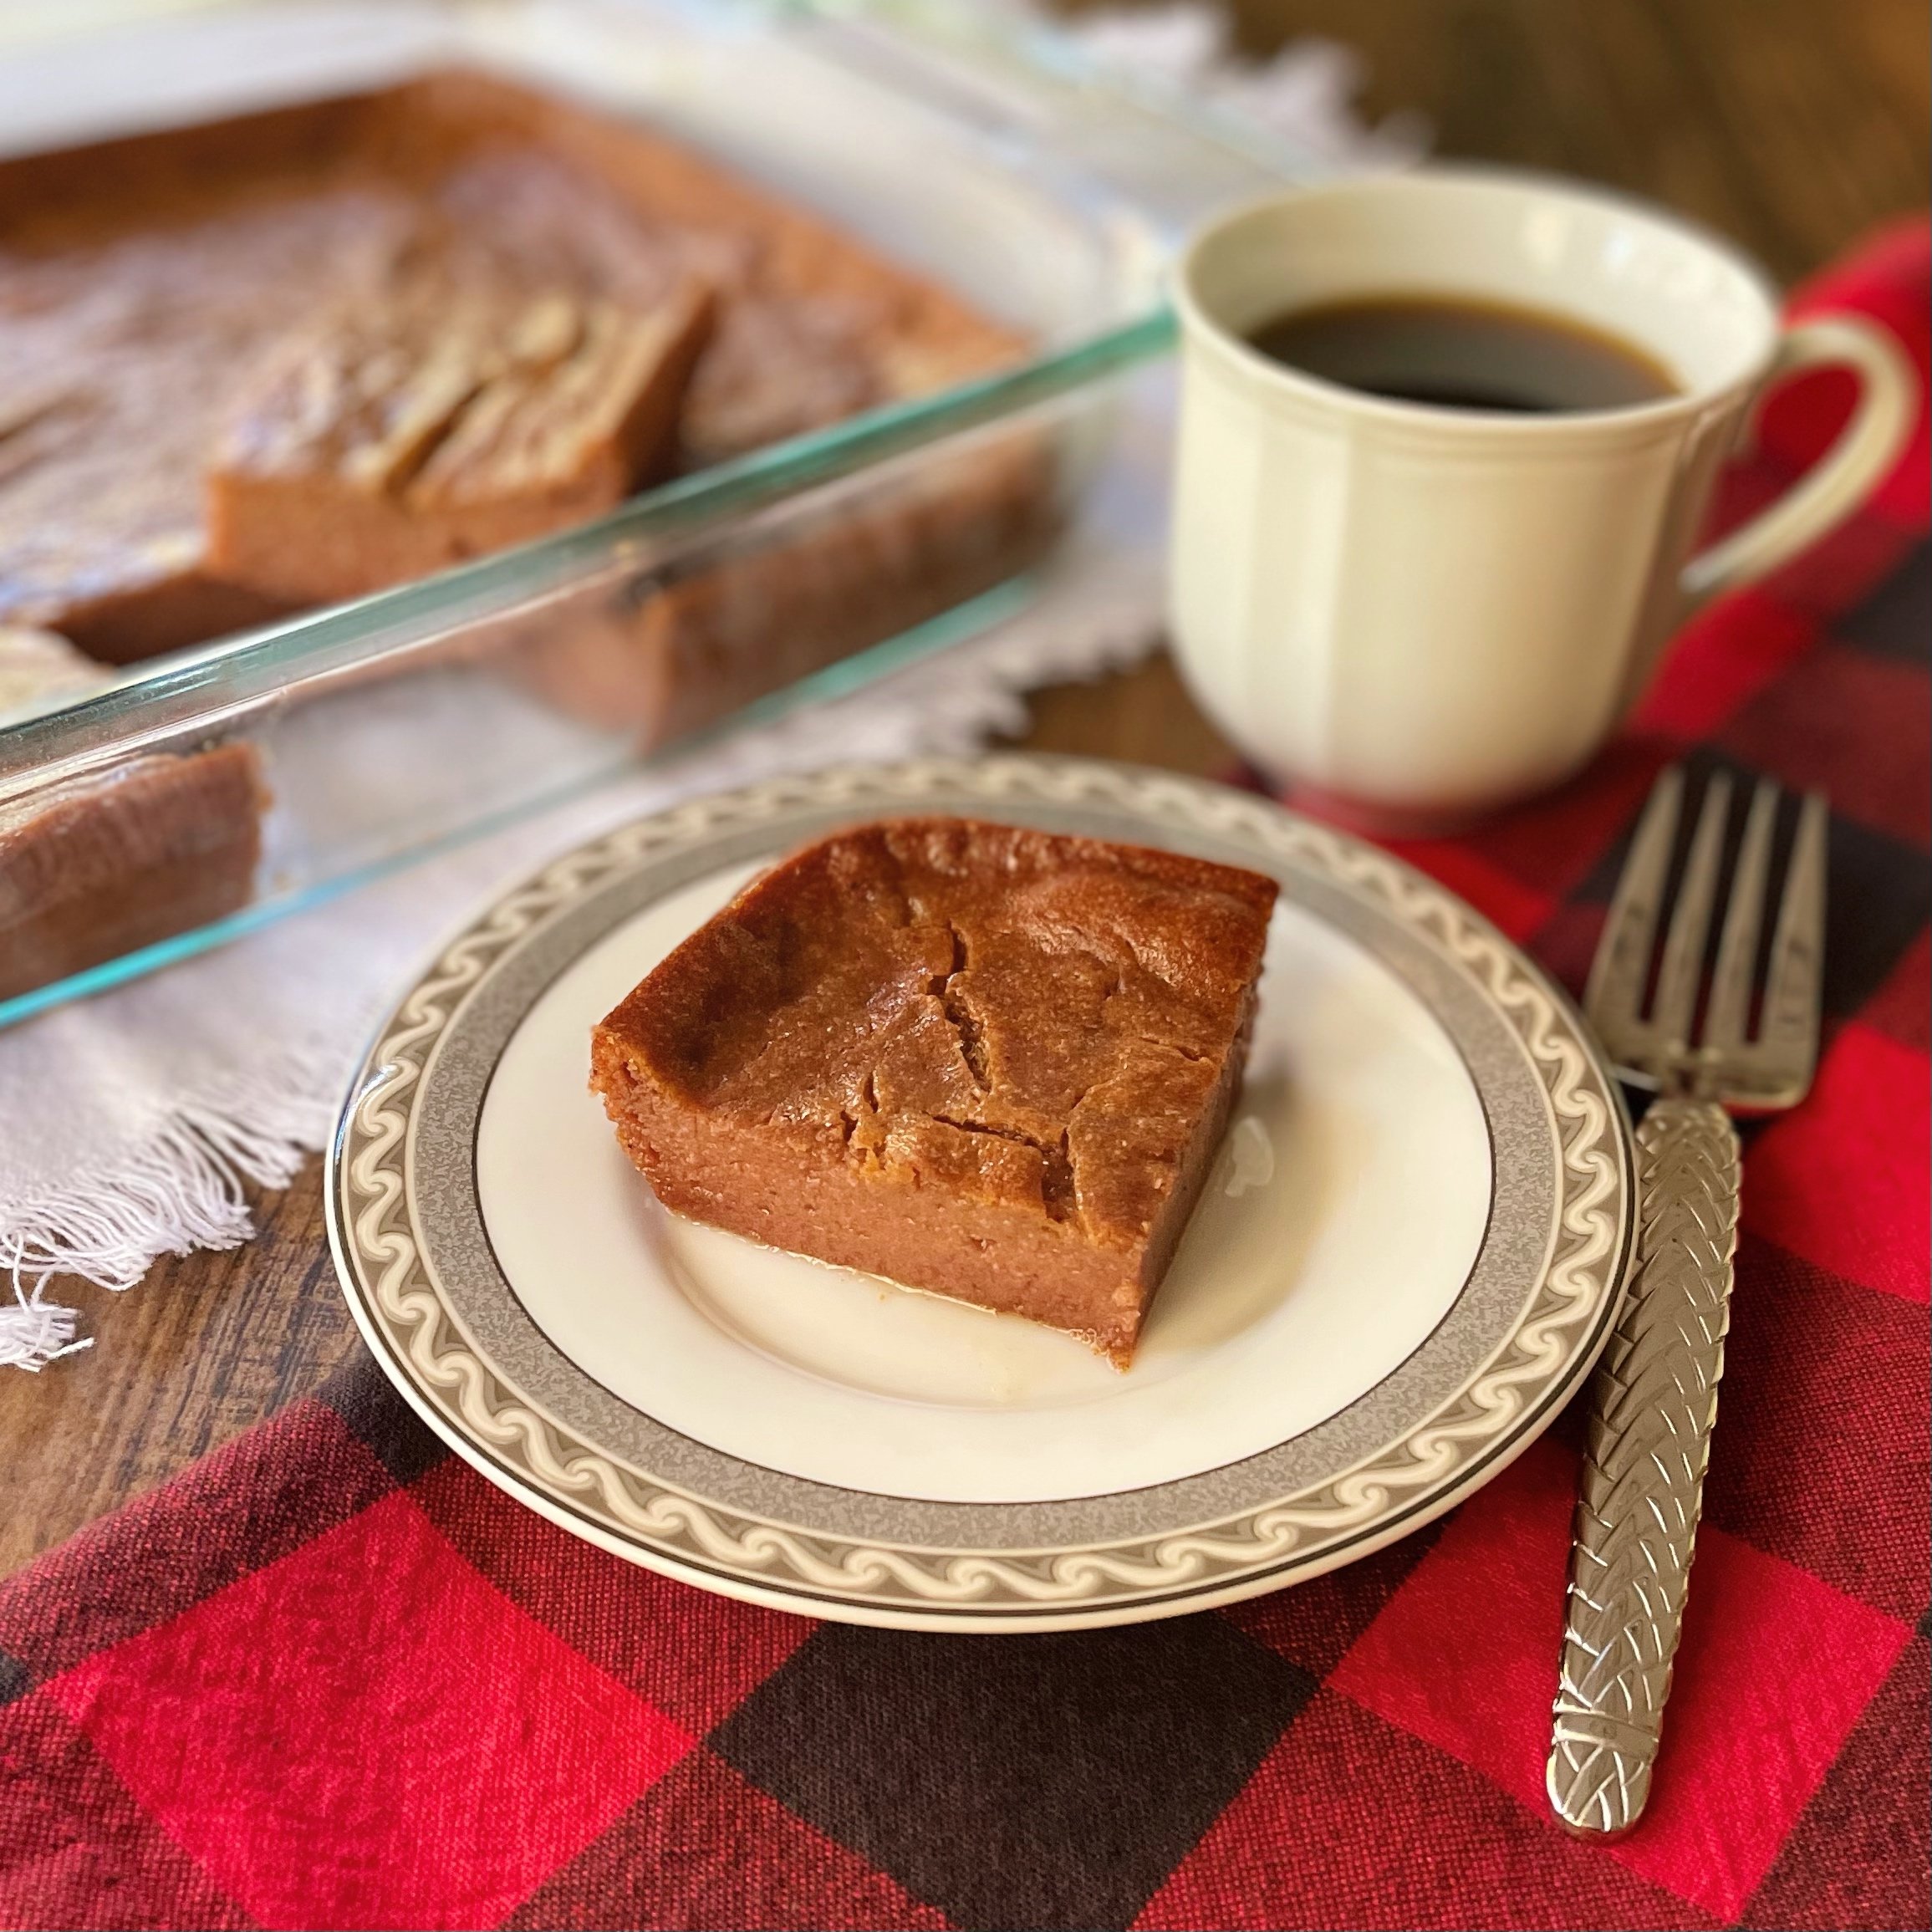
(1424, 613)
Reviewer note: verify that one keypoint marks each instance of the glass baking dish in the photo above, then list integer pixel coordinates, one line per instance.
(198, 794)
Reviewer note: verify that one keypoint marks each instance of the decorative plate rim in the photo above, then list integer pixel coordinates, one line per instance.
(399, 1304)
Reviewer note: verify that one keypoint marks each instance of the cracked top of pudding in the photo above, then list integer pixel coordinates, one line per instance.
(1037, 1019)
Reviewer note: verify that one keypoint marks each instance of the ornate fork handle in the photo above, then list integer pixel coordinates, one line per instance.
(1655, 1402)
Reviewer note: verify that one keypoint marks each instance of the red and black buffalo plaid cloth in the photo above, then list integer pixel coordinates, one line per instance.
(331, 1678)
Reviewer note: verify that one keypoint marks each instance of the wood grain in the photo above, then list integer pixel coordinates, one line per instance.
(1788, 125)
(205, 1345)
(1791, 125)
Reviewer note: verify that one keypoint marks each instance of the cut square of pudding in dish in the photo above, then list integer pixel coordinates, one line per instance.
(113, 860)
(982, 1060)
(444, 424)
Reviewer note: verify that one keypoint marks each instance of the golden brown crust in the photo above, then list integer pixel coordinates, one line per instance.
(978, 1058)
(442, 423)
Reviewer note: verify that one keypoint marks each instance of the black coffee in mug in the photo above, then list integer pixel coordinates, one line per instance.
(1467, 356)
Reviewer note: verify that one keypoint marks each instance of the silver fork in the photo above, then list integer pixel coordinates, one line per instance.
(1655, 1399)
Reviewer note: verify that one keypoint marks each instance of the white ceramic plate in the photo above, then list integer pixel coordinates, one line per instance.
(1407, 1255)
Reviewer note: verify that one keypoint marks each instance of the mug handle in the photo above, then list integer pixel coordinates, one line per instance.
(1866, 449)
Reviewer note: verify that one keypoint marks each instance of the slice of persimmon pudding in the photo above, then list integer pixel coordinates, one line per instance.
(978, 1059)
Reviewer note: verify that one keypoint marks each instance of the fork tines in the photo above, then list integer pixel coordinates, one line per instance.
(1658, 1041)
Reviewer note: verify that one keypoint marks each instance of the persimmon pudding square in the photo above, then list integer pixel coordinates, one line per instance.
(980, 1060)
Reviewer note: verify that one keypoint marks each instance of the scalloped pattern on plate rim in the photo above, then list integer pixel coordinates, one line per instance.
(1554, 1338)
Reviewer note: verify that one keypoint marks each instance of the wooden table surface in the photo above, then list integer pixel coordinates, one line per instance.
(1790, 125)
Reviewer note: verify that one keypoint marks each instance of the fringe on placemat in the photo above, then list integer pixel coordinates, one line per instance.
(184, 1188)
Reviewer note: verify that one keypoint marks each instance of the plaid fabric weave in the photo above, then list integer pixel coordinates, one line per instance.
(329, 1677)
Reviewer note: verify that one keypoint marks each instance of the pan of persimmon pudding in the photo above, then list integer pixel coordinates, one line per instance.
(1006, 1195)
